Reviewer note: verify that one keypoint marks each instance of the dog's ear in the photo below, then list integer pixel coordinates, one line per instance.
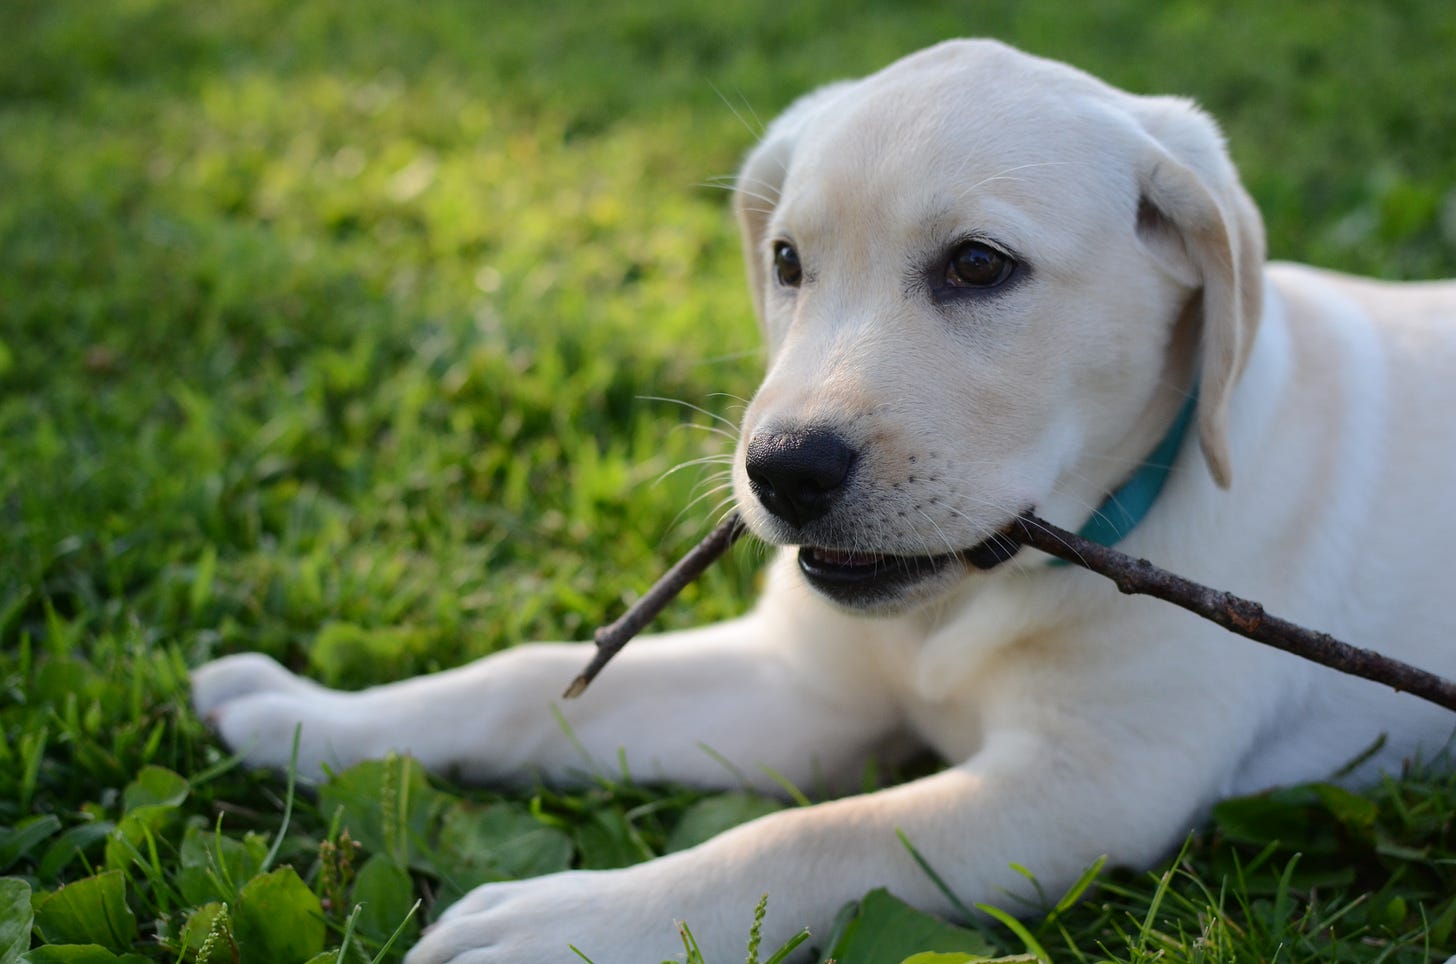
(1196, 219)
(761, 180)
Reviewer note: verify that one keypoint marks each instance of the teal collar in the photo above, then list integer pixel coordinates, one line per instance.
(1131, 502)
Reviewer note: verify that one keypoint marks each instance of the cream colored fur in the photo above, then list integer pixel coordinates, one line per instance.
(1077, 722)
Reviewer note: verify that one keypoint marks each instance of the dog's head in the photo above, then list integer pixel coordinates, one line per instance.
(987, 282)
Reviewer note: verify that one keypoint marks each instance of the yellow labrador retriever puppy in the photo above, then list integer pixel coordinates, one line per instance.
(989, 282)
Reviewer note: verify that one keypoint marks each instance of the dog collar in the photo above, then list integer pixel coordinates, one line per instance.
(1130, 503)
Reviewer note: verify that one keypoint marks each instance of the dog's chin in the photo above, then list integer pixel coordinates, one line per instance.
(882, 584)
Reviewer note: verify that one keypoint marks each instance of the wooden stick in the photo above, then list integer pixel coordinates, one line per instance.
(611, 638)
(1132, 576)
(1234, 613)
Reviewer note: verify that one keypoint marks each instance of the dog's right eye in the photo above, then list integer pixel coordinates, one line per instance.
(975, 264)
(787, 269)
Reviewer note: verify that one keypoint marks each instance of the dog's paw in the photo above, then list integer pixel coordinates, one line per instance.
(256, 705)
(232, 677)
(540, 920)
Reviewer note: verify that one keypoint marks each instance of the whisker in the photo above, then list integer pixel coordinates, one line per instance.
(716, 509)
(771, 202)
(723, 509)
(691, 463)
(711, 490)
(757, 133)
(950, 546)
(769, 186)
(711, 429)
(696, 408)
(1006, 174)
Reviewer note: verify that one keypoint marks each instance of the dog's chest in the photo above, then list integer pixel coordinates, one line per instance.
(996, 651)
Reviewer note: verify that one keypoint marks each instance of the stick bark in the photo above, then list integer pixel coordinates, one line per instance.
(1234, 613)
(611, 638)
(1131, 576)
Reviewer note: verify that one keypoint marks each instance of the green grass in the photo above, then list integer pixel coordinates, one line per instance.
(324, 331)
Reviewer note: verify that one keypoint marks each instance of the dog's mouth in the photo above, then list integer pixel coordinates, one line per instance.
(866, 579)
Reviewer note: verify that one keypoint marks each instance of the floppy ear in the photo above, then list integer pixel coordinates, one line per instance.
(761, 179)
(1196, 218)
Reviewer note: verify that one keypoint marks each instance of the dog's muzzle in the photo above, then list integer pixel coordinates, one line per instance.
(799, 477)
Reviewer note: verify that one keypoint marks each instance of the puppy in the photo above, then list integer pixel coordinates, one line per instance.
(988, 283)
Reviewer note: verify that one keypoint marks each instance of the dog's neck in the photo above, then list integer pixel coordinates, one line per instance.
(1130, 502)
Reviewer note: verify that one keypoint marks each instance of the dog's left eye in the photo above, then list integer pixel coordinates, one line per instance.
(787, 269)
(975, 264)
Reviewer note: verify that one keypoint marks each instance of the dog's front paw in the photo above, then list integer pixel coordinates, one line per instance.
(256, 705)
(601, 912)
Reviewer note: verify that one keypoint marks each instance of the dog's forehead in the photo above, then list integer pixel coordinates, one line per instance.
(973, 89)
(966, 124)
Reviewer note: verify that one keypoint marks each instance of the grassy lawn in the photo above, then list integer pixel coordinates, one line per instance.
(326, 330)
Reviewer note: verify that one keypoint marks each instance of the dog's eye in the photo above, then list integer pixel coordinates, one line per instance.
(976, 264)
(787, 270)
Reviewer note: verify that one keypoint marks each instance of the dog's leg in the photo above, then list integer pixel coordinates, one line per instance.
(1037, 799)
(679, 705)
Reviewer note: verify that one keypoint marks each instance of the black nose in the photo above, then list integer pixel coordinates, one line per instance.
(798, 475)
